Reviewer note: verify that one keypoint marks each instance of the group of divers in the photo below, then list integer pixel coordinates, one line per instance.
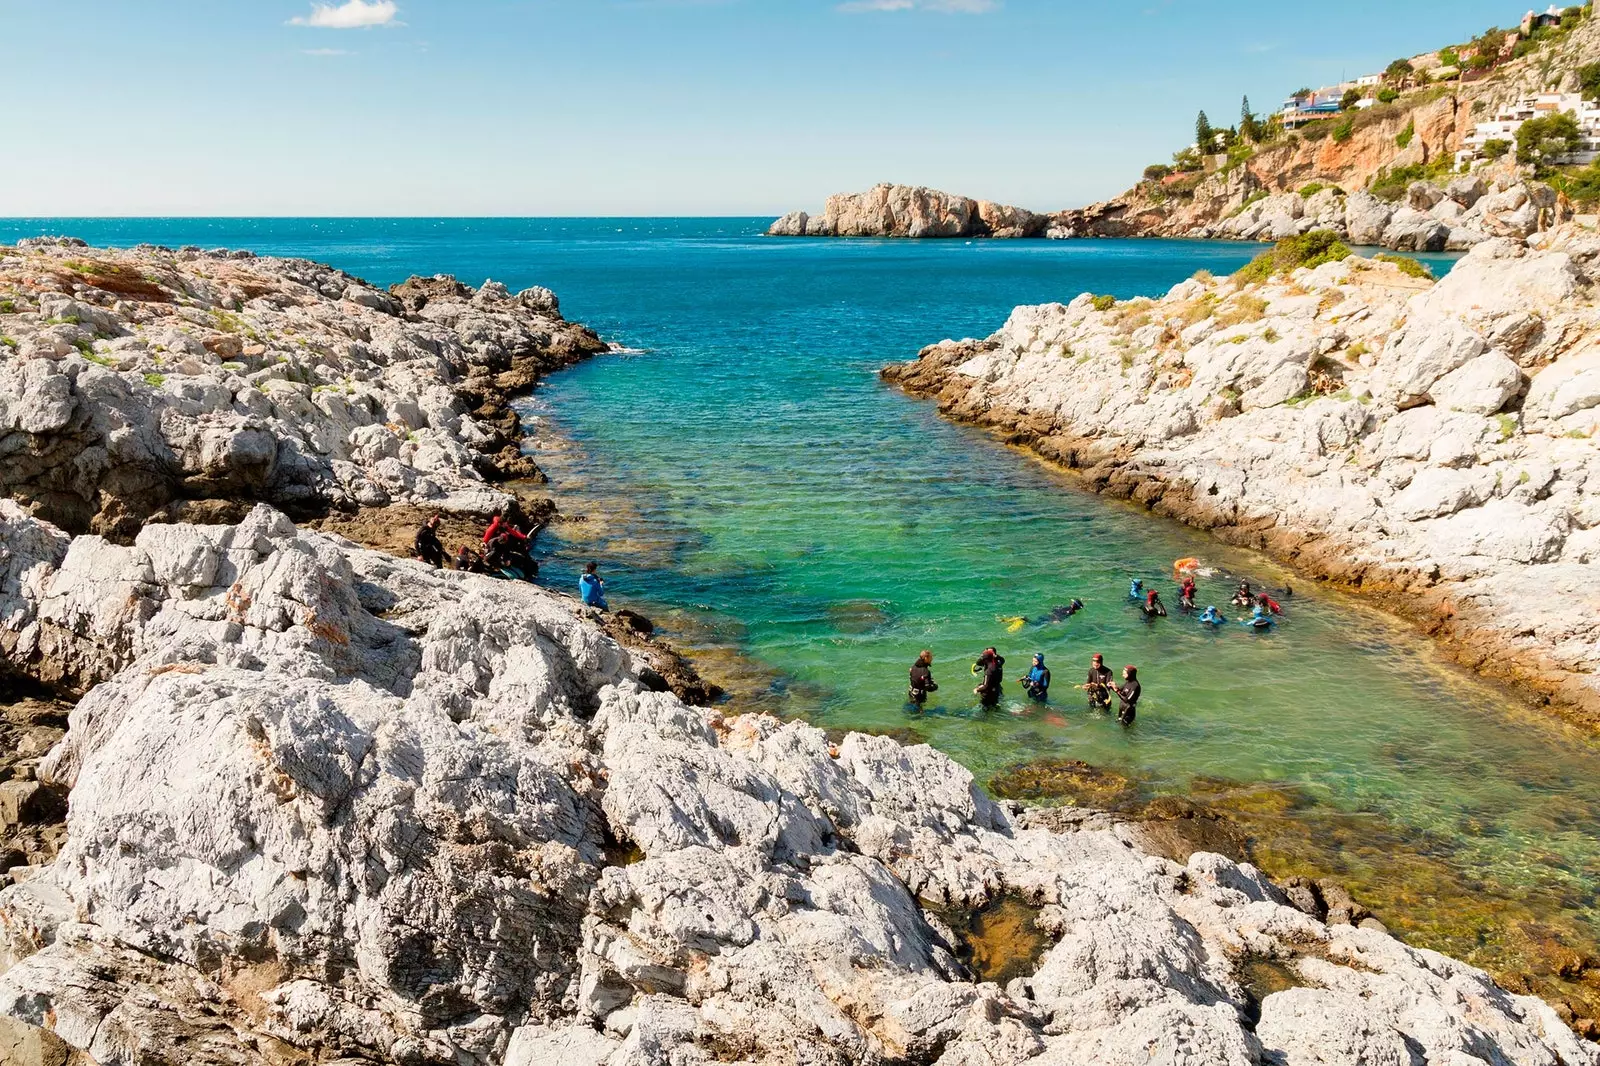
(506, 551)
(1100, 684)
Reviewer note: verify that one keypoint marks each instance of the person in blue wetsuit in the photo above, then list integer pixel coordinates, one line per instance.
(1212, 617)
(1037, 683)
(1136, 590)
(592, 588)
(1259, 619)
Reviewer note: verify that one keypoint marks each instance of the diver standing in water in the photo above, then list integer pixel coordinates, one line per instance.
(992, 667)
(1128, 694)
(1037, 681)
(1098, 685)
(922, 681)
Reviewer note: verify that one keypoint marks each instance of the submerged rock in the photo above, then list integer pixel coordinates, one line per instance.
(328, 803)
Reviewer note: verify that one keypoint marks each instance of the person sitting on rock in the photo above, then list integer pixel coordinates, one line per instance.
(1098, 686)
(469, 562)
(1037, 681)
(922, 681)
(1152, 606)
(1186, 594)
(426, 546)
(1212, 617)
(1128, 694)
(992, 667)
(592, 588)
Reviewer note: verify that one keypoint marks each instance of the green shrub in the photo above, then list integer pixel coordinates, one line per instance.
(1254, 198)
(1157, 171)
(1344, 130)
(1104, 303)
(1387, 96)
(1580, 186)
(1391, 184)
(1356, 350)
(1449, 58)
(9, 342)
(1403, 140)
(1495, 148)
(8, 307)
(1311, 189)
(1307, 250)
(1549, 135)
(155, 381)
(1410, 267)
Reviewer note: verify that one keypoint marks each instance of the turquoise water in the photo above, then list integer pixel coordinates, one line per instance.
(750, 483)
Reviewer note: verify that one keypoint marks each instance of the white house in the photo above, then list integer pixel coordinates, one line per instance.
(1506, 123)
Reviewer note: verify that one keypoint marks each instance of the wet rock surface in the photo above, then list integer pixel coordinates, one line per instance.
(1431, 444)
(330, 805)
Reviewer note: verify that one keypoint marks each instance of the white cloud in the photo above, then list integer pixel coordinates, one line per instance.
(350, 15)
(953, 7)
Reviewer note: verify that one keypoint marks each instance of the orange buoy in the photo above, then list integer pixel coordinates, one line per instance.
(1184, 566)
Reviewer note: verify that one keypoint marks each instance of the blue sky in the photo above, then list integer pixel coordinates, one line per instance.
(634, 107)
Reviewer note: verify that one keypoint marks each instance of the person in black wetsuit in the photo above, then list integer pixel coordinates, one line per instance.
(922, 681)
(427, 546)
(1128, 694)
(992, 666)
(1098, 685)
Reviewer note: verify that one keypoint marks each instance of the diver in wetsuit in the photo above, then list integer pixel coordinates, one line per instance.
(426, 546)
(1037, 681)
(1098, 685)
(1152, 606)
(922, 681)
(1128, 694)
(992, 666)
(1186, 594)
(1212, 617)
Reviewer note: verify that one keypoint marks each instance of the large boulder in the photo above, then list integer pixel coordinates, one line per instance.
(1366, 218)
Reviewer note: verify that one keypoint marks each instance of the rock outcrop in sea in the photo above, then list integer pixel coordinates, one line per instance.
(193, 384)
(332, 806)
(911, 211)
(1432, 443)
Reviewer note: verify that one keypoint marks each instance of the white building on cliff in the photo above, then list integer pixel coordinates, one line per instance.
(1506, 123)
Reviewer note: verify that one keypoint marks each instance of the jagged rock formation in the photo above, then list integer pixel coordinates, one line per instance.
(140, 380)
(331, 806)
(1435, 442)
(911, 211)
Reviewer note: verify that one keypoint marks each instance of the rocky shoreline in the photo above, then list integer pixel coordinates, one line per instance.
(1429, 444)
(332, 806)
(329, 805)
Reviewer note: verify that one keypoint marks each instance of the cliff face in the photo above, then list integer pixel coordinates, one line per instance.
(1435, 444)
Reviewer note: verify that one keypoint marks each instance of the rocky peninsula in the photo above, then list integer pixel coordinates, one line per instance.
(325, 804)
(1429, 443)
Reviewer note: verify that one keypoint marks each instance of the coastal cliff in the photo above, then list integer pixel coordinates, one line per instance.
(194, 384)
(327, 805)
(1430, 443)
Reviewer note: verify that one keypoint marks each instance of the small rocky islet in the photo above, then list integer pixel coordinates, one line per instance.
(330, 805)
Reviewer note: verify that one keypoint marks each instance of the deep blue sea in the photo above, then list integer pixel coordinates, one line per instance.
(746, 480)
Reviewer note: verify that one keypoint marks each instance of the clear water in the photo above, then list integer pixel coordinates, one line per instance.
(749, 482)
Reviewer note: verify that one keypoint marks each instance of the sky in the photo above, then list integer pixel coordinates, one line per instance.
(644, 107)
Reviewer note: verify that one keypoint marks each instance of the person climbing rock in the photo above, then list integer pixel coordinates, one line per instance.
(592, 588)
(1186, 593)
(1128, 695)
(922, 681)
(1037, 681)
(427, 546)
(1212, 617)
(992, 666)
(502, 526)
(1152, 606)
(1098, 685)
